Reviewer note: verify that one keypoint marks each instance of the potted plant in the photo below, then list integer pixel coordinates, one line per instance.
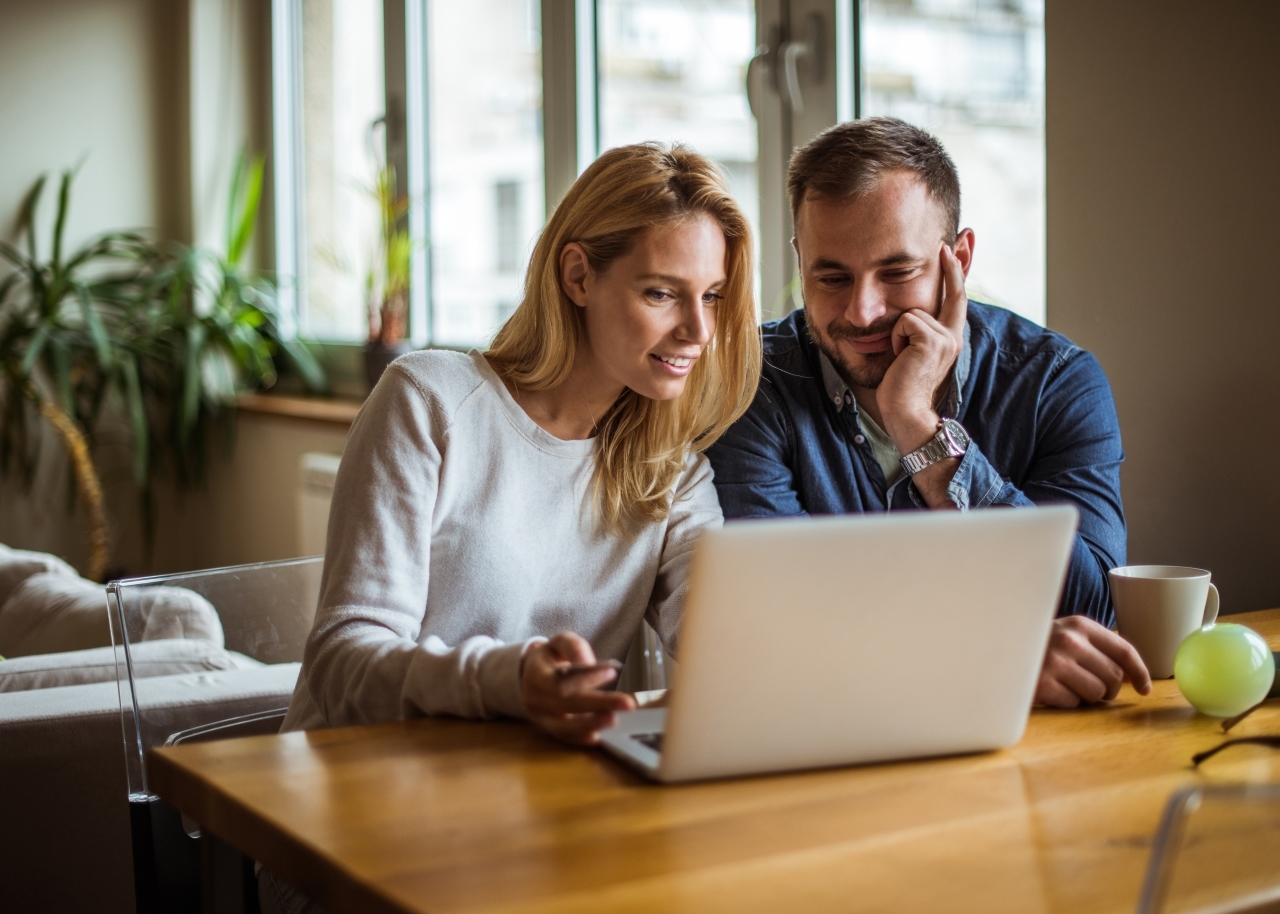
(387, 282)
(169, 332)
(58, 356)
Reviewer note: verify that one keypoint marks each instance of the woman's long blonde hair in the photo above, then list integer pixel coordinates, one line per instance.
(642, 443)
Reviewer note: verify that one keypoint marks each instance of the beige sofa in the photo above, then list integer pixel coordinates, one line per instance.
(64, 816)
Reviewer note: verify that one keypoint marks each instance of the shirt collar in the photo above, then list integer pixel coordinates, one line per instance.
(837, 389)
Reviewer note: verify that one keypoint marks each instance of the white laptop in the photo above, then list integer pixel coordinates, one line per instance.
(838, 640)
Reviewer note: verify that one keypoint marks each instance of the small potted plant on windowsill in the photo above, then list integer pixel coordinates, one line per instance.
(387, 282)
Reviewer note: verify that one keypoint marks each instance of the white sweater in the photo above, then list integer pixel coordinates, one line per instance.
(459, 531)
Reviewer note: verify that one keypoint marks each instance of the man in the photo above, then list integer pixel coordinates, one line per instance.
(890, 390)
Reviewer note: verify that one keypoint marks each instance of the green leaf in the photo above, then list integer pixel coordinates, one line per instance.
(60, 222)
(7, 285)
(27, 215)
(34, 348)
(248, 211)
(97, 332)
(190, 409)
(14, 256)
(302, 359)
(137, 417)
(62, 374)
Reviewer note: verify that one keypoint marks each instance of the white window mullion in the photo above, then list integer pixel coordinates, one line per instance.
(287, 166)
(418, 178)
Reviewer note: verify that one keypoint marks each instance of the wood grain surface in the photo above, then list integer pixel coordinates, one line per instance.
(459, 816)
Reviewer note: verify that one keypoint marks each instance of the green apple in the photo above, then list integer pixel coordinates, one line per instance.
(1224, 669)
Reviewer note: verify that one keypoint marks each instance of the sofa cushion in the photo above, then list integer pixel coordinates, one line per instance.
(150, 658)
(50, 613)
(16, 565)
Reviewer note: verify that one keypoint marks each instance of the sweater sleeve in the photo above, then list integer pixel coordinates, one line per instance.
(363, 662)
(694, 509)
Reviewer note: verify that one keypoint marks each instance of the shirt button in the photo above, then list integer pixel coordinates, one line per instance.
(838, 399)
(860, 439)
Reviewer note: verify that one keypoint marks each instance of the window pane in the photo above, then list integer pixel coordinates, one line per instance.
(485, 153)
(341, 102)
(675, 71)
(972, 72)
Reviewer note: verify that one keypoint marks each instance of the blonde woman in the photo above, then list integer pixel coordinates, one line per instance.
(502, 516)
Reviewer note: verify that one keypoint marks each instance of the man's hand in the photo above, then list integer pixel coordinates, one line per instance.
(1086, 663)
(925, 350)
(565, 703)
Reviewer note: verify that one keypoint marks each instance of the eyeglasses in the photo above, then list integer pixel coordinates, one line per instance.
(1272, 741)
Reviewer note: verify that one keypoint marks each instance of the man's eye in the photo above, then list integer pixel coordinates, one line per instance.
(832, 279)
(899, 275)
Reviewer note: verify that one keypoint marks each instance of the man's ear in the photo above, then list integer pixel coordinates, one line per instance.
(964, 249)
(575, 270)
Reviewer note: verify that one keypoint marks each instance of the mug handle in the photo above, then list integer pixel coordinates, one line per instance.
(1211, 605)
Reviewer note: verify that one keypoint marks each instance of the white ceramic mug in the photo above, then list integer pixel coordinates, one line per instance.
(1159, 605)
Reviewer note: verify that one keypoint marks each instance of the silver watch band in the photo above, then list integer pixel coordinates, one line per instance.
(951, 440)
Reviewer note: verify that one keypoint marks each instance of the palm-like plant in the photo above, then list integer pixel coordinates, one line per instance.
(174, 332)
(206, 328)
(58, 359)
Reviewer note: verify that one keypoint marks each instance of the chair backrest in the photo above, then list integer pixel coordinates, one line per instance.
(207, 650)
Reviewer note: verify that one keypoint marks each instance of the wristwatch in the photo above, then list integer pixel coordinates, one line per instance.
(951, 441)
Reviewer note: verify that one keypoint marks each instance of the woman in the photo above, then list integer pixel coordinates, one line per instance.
(553, 484)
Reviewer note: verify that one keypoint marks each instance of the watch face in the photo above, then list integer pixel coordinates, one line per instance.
(958, 436)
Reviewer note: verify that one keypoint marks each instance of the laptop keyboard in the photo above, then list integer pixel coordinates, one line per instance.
(652, 740)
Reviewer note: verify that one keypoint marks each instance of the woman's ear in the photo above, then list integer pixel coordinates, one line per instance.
(575, 270)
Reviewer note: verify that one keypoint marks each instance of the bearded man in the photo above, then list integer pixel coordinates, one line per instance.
(890, 390)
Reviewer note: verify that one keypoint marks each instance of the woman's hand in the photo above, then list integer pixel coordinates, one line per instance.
(564, 702)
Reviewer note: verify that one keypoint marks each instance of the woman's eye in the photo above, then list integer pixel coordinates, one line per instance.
(658, 295)
(712, 298)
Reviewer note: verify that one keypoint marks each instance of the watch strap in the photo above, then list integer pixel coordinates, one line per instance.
(951, 440)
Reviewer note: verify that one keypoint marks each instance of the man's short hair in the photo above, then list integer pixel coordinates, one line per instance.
(847, 160)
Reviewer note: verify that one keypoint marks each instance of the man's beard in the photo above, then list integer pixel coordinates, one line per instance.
(867, 376)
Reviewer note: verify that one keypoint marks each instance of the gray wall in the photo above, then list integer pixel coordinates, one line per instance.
(1163, 256)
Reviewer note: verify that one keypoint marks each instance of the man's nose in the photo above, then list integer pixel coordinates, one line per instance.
(866, 303)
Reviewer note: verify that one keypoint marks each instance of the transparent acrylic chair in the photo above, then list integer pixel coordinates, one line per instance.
(238, 688)
(1217, 850)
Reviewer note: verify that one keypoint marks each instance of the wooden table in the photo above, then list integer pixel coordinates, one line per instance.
(457, 816)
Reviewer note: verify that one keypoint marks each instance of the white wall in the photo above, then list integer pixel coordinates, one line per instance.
(1163, 194)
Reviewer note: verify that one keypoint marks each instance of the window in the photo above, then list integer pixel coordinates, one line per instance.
(338, 123)
(675, 72)
(488, 110)
(972, 73)
(484, 149)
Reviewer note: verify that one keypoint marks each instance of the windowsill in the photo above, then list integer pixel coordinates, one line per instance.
(317, 409)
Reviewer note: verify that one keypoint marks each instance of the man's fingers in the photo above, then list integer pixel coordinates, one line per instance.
(1053, 694)
(955, 303)
(1107, 671)
(1080, 681)
(1124, 654)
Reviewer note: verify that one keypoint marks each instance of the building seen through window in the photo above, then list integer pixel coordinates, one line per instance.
(675, 71)
(485, 159)
(972, 73)
(341, 100)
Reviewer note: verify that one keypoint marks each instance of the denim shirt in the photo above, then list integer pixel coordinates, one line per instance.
(1037, 407)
